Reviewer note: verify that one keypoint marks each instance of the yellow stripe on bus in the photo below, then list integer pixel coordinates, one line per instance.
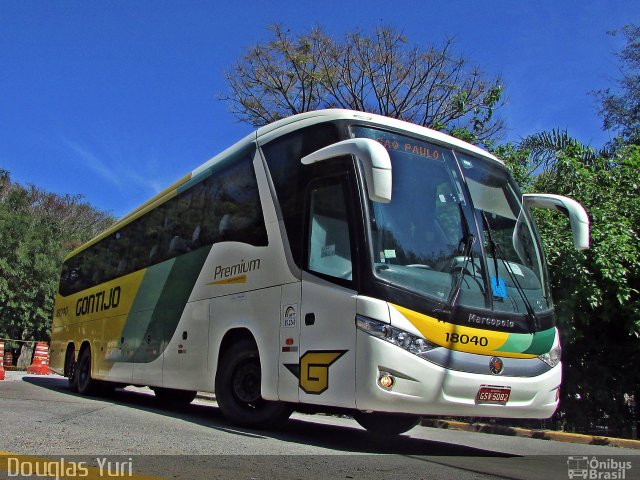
(460, 337)
(230, 281)
(83, 315)
(109, 299)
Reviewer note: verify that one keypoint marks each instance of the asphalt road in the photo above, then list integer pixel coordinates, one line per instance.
(132, 432)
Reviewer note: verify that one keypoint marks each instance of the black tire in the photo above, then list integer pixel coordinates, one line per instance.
(86, 385)
(238, 390)
(386, 423)
(172, 396)
(72, 373)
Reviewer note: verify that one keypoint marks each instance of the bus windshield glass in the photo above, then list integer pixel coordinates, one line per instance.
(455, 229)
(514, 258)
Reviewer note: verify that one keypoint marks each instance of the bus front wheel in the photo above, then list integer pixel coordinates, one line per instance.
(386, 423)
(238, 389)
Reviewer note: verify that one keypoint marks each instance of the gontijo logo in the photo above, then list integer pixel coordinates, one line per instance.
(227, 274)
(98, 302)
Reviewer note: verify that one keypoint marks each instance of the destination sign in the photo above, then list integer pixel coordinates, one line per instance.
(408, 146)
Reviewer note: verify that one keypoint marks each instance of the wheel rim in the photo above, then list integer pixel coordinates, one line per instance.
(246, 382)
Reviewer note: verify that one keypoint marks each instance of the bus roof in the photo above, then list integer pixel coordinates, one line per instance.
(282, 127)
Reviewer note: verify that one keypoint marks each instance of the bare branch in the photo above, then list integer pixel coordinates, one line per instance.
(378, 72)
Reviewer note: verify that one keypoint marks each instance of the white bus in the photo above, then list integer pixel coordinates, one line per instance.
(330, 261)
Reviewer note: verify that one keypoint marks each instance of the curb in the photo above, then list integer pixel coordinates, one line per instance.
(538, 434)
(206, 396)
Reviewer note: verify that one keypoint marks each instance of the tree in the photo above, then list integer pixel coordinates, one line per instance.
(38, 230)
(620, 108)
(596, 291)
(378, 73)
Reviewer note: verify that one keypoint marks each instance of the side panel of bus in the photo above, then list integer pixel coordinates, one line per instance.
(166, 323)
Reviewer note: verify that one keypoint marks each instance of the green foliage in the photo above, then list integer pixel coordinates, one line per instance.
(378, 72)
(38, 229)
(519, 161)
(608, 188)
(596, 291)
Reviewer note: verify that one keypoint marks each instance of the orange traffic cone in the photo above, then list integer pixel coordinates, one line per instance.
(1, 360)
(40, 364)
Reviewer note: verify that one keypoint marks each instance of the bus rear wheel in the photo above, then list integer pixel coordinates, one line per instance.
(86, 385)
(71, 370)
(238, 389)
(386, 423)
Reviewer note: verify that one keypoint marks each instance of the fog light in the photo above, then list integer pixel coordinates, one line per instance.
(386, 381)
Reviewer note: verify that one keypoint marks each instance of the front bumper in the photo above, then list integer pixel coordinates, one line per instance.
(424, 388)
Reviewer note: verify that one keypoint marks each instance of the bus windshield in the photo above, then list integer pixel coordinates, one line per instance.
(514, 258)
(455, 229)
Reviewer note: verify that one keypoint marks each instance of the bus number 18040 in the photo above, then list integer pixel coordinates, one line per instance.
(466, 339)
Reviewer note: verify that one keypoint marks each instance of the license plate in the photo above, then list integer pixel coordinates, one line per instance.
(493, 395)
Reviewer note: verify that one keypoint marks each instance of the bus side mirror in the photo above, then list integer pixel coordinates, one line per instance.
(375, 161)
(572, 209)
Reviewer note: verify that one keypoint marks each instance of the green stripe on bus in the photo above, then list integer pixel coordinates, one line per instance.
(532, 344)
(516, 343)
(171, 303)
(142, 310)
(542, 342)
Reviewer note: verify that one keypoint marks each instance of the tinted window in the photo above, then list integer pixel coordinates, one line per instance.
(291, 178)
(224, 206)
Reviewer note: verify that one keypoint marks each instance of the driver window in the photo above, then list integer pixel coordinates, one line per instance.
(329, 243)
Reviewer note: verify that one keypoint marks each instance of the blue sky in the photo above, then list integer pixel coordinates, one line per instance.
(115, 100)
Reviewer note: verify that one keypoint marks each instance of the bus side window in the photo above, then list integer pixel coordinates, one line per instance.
(223, 207)
(329, 244)
(291, 178)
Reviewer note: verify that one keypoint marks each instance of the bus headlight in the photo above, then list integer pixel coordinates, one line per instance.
(401, 338)
(553, 357)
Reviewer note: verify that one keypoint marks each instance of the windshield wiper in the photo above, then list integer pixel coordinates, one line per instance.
(467, 251)
(469, 240)
(496, 251)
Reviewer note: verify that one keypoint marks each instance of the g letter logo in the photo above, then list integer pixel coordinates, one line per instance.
(313, 371)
